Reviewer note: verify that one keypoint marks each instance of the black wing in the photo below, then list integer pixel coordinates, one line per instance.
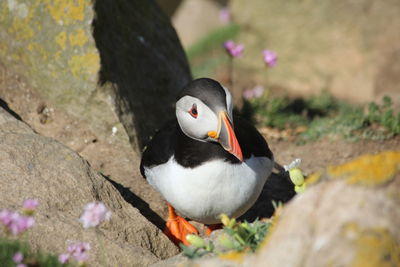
(161, 147)
(250, 140)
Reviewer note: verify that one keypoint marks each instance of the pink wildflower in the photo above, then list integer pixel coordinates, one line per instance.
(93, 214)
(79, 251)
(15, 222)
(64, 258)
(234, 50)
(255, 92)
(258, 91)
(225, 15)
(30, 204)
(18, 257)
(270, 58)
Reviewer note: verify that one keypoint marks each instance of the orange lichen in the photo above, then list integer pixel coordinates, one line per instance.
(373, 247)
(233, 256)
(369, 169)
(313, 178)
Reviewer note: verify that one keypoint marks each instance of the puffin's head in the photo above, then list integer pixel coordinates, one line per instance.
(204, 113)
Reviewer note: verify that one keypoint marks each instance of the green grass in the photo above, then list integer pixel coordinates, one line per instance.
(323, 115)
(8, 248)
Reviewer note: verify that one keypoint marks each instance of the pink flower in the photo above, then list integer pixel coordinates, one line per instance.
(234, 50)
(255, 92)
(270, 58)
(6, 217)
(93, 214)
(64, 258)
(225, 15)
(258, 91)
(18, 257)
(22, 265)
(79, 251)
(15, 222)
(30, 204)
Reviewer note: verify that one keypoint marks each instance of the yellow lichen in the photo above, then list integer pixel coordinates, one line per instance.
(233, 256)
(61, 38)
(21, 29)
(78, 38)
(83, 64)
(369, 169)
(67, 11)
(313, 178)
(373, 247)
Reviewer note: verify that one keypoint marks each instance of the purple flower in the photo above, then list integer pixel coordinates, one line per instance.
(234, 50)
(64, 258)
(270, 58)
(79, 251)
(30, 204)
(15, 222)
(18, 257)
(93, 214)
(225, 15)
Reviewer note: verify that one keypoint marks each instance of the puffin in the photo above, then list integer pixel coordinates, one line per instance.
(205, 162)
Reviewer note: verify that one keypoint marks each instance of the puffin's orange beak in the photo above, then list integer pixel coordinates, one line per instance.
(226, 136)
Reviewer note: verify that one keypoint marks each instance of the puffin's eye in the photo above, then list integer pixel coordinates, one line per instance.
(193, 111)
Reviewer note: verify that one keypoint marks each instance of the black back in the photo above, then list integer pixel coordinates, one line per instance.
(170, 140)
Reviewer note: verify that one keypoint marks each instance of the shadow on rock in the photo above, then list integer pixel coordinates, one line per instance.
(5, 106)
(138, 203)
(278, 188)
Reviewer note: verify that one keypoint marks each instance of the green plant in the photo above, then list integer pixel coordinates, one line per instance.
(237, 236)
(323, 115)
(9, 247)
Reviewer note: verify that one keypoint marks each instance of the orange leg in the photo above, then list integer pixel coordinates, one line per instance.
(177, 227)
(210, 228)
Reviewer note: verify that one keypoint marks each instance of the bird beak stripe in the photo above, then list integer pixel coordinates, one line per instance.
(227, 137)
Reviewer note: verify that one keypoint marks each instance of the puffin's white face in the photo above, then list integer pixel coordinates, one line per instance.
(211, 122)
(195, 118)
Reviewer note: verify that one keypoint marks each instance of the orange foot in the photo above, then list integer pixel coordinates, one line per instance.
(211, 227)
(177, 227)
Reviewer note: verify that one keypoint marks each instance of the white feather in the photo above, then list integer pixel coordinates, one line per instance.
(204, 192)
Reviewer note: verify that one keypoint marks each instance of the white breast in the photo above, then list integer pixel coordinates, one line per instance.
(204, 192)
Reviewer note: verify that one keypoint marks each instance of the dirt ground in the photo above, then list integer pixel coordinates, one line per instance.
(121, 166)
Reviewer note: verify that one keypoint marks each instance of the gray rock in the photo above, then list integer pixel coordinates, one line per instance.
(33, 166)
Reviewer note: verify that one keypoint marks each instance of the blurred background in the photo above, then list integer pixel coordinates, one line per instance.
(334, 58)
(350, 48)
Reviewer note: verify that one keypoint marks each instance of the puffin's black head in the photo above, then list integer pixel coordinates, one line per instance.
(204, 113)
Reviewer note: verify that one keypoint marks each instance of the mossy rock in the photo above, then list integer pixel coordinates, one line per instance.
(102, 61)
